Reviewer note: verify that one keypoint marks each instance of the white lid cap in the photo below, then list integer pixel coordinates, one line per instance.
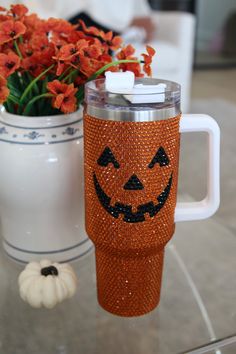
(124, 83)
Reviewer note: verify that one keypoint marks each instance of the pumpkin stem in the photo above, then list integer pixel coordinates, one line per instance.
(51, 270)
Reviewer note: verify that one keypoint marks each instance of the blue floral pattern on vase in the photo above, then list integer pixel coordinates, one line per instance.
(70, 131)
(15, 134)
(33, 135)
(3, 130)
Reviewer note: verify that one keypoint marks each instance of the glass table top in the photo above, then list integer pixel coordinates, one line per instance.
(197, 308)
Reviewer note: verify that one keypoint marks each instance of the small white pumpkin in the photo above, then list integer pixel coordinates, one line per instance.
(46, 283)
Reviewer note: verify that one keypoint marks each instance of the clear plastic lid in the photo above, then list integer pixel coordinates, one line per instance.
(150, 100)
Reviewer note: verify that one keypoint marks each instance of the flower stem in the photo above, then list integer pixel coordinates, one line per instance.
(31, 102)
(109, 65)
(73, 72)
(63, 74)
(31, 85)
(18, 50)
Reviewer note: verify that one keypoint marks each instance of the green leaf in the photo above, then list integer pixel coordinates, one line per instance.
(44, 85)
(13, 99)
(10, 107)
(13, 90)
(12, 85)
(15, 77)
(32, 84)
(80, 93)
(30, 104)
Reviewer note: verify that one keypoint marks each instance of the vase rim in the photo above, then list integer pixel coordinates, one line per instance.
(35, 122)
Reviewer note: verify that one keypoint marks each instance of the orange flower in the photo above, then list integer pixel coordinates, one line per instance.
(18, 10)
(32, 22)
(64, 96)
(113, 42)
(4, 18)
(4, 91)
(66, 52)
(80, 80)
(38, 61)
(37, 53)
(86, 55)
(9, 63)
(94, 49)
(63, 47)
(151, 51)
(33, 65)
(92, 31)
(61, 67)
(81, 45)
(57, 40)
(89, 66)
(134, 67)
(74, 36)
(60, 26)
(10, 30)
(39, 41)
(65, 55)
(126, 53)
(26, 49)
(69, 54)
(148, 60)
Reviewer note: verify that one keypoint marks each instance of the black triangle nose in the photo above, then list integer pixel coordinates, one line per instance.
(133, 184)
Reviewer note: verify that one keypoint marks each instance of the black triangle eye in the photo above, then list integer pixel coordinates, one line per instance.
(161, 158)
(107, 157)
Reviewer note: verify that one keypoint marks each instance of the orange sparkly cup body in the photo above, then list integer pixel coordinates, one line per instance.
(131, 174)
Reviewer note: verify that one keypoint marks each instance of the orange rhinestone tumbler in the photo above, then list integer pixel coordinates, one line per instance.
(131, 173)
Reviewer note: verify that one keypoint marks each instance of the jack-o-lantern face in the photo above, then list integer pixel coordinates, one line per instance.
(131, 174)
(133, 183)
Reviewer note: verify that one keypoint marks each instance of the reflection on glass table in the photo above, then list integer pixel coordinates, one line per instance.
(197, 305)
(221, 346)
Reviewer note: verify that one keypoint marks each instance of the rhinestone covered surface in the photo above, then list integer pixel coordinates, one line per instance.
(130, 226)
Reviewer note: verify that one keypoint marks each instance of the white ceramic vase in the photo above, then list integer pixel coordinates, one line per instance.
(41, 187)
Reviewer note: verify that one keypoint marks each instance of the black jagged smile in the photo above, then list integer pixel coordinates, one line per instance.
(129, 216)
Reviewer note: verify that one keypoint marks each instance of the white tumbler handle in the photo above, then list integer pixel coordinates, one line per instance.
(207, 207)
